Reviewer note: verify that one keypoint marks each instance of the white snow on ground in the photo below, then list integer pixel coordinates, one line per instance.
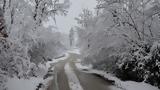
(74, 83)
(130, 85)
(48, 64)
(119, 85)
(26, 84)
(76, 51)
(82, 67)
(23, 84)
(32, 83)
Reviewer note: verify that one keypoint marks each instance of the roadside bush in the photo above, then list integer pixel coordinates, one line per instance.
(141, 63)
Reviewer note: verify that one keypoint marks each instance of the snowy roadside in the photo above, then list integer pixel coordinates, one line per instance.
(75, 51)
(118, 84)
(73, 81)
(33, 83)
(54, 61)
(36, 83)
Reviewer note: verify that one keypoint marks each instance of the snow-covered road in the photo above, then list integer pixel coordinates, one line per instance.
(68, 77)
(73, 81)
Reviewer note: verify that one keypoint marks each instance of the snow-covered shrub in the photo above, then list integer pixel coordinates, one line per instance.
(47, 47)
(153, 65)
(141, 63)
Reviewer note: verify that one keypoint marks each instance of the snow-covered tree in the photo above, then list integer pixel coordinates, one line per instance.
(120, 38)
(71, 37)
(24, 37)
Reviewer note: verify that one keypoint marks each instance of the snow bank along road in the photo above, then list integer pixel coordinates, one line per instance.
(68, 77)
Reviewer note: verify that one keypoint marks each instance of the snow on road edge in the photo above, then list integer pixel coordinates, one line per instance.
(32, 83)
(73, 81)
(119, 85)
(75, 51)
(48, 64)
(82, 67)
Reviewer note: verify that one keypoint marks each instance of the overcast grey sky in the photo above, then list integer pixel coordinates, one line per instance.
(64, 23)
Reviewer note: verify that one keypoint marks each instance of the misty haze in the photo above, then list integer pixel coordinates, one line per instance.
(79, 44)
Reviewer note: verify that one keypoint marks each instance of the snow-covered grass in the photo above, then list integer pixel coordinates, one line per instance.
(74, 83)
(33, 82)
(23, 84)
(27, 84)
(30, 83)
(119, 84)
